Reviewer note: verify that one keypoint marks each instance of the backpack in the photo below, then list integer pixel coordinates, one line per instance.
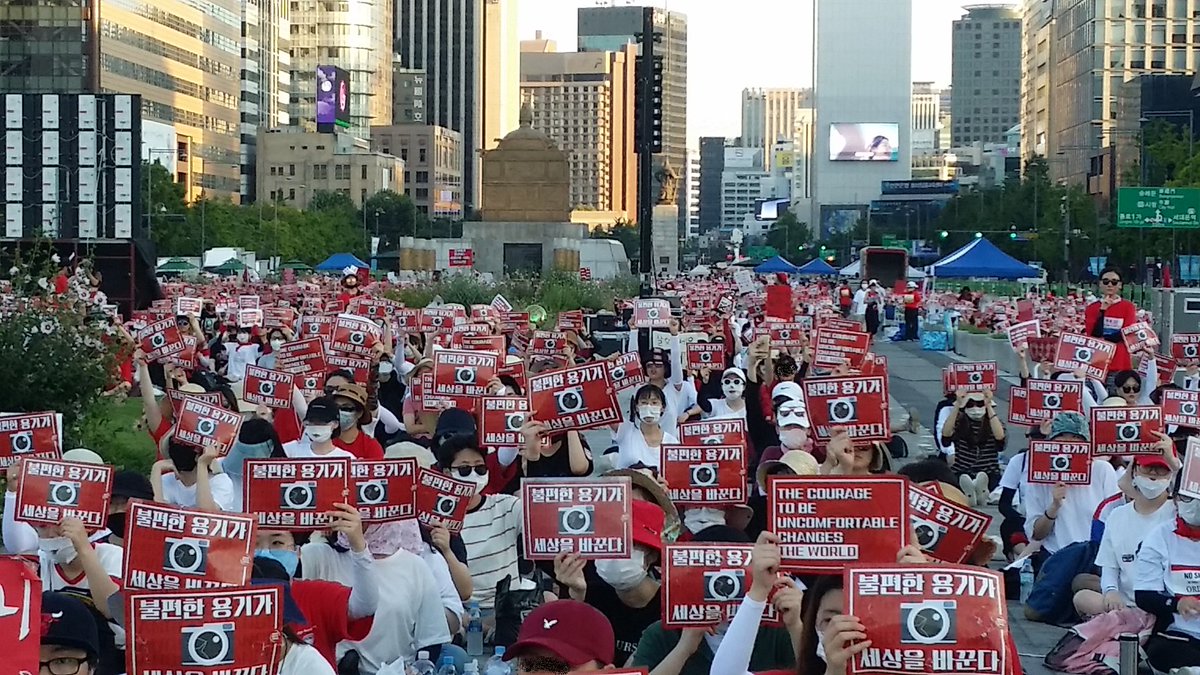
(1050, 598)
(512, 606)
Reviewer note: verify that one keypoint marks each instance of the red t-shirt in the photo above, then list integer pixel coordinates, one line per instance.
(287, 426)
(916, 301)
(326, 606)
(363, 447)
(1121, 314)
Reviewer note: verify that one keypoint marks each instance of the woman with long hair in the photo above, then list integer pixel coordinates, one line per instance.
(638, 440)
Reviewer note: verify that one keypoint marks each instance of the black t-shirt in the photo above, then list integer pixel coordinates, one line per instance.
(628, 622)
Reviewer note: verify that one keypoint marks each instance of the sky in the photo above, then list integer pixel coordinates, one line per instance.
(747, 47)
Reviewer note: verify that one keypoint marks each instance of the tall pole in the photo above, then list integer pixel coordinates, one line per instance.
(645, 150)
(1066, 214)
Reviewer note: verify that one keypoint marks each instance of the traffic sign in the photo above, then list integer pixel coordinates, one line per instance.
(1158, 207)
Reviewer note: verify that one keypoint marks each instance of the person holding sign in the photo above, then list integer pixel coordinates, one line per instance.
(321, 422)
(639, 440)
(1106, 317)
(243, 352)
(185, 479)
(1166, 584)
(976, 433)
(733, 403)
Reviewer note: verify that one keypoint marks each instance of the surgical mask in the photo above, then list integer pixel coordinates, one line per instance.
(347, 419)
(239, 453)
(60, 549)
(116, 524)
(699, 519)
(318, 433)
(649, 414)
(976, 413)
(276, 344)
(386, 368)
(289, 559)
(1151, 488)
(793, 438)
(243, 338)
(820, 646)
(733, 390)
(623, 575)
(481, 482)
(1189, 511)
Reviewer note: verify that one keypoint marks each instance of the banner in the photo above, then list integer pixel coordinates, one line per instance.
(461, 374)
(1019, 334)
(501, 419)
(833, 348)
(1140, 337)
(160, 339)
(785, 335)
(704, 474)
(302, 357)
(929, 619)
(1126, 431)
(860, 404)
(1081, 351)
(972, 377)
(169, 548)
(200, 424)
(943, 529)
(441, 501)
(706, 356)
(51, 490)
(626, 371)
(384, 489)
(652, 313)
(354, 335)
(20, 614)
(29, 435)
(1185, 346)
(547, 343)
(1181, 407)
(589, 517)
(704, 583)
(236, 630)
(1189, 482)
(1047, 398)
(713, 432)
(1050, 462)
(579, 397)
(271, 388)
(295, 494)
(1018, 407)
(826, 522)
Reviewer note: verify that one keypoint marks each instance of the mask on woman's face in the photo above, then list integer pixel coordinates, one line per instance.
(385, 369)
(820, 645)
(702, 518)
(976, 413)
(623, 575)
(243, 338)
(239, 453)
(649, 414)
(481, 482)
(60, 549)
(276, 344)
(318, 433)
(1151, 488)
(733, 389)
(289, 559)
(793, 438)
(347, 419)
(1189, 511)
(116, 524)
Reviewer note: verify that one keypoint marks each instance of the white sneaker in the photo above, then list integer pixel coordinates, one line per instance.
(967, 485)
(981, 488)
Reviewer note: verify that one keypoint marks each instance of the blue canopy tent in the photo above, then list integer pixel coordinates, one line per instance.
(981, 259)
(776, 265)
(817, 268)
(340, 261)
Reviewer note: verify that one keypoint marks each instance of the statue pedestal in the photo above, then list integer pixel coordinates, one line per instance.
(666, 239)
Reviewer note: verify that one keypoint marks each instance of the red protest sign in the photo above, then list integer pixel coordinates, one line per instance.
(271, 388)
(484, 343)
(201, 424)
(512, 322)
(278, 317)
(354, 335)
(185, 359)
(29, 435)
(1139, 337)
(1126, 431)
(360, 368)
(546, 343)
(407, 319)
(461, 257)
(20, 614)
(1081, 351)
(438, 319)
(585, 516)
(929, 619)
(626, 371)
(874, 364)
(579, 397)
(944, 529)
(1189, 482)
(1042, 349)
(652, 313)
(501, 419)
(1185, 346)
(514, 367)
(160, 339)
(1051, 462)
(786, 335)
(713, 432)
(972, 377)
(825, 522)
(235, 630)
(462, 374)
(706, 355)
(1024, 310)
(1181, 407)
(1018, 406)
(572, 320)
(834, 347)
(169, 548)
(295, 493)
(1047, 398)
(384, 490)
(441, 501)
(302, 356)
(213, 398)
(367, 306)
(316, 327)
(1166, 366)
(704, 583)
(836, 323)
(860, 404)
(1019, 333)
(705, 474)
(51, 490)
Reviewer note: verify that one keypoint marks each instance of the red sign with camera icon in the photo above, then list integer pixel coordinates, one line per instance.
(459, 374)
(547, 343)
(354, 335)
(201, 424)
(704, 583)
(20, 614)
(161, 339)
(1019, 333)
(1082, 351)
(1126, 431)
(271, 388)
(1140, 337)
(384, 490)
(233, 630)
(1047, 398)
(874, 364)
(972, 377)
(319, 326)
(406, 319)
(1051, 462)
(713, 432)
(295, 494)
(1185, 346)
(359, 367)
(484, 343)
(585, 516)
(441, 501)
(834, 347)
(705, 474)
(1018, 406)
(652, 313)
(501, 419)
(29, 435)
(579, 397)
(1181, 407)
(626, 371)
(928, 619)
(1189, 482)
(52, 490)
(186, 358)
(170, 548)
(860, 404)
(706, 355)
(438, 319)
(782, 335)
(943, 529)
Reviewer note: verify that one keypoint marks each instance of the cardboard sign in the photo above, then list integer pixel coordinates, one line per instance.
(704, 474)
(1019, 333)
(626, 371)
(295, 494)
(713, 432)
(461, 374)
(201, 424)
(1082, 351)
(438, 319)
(874, 364)
(1189, 484)
(585, 516)
(52, 490)
(786, 335)
(316, 327)
(188, 306)
(972, 377)
(1126, 431)
(579, 397)
(441, 501)
(501, 419)
(1047, 398)
(704, 583)
(271, 388)
(301, 357)
(1181, 407)
(1050, 462)
(29, 435)
(248, 302)
(250, 318)
(860, 404)
(546, 343)
(160, 339)
(943, 529)
(354, 335)
(929, 619)
(485, 343)
(827, 522)
(706, 356)
(169, 548)
(360, 368)
(1185, 346)
(20, 615)
(652, 313)
(384, 490)
(1140, 337)
(1018, 407)
(834, 347)
(236, 630)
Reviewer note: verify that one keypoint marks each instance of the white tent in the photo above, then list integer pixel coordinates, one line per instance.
(700, 271)
(852, 270)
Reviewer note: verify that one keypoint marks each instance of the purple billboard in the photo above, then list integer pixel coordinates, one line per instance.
(333, 97)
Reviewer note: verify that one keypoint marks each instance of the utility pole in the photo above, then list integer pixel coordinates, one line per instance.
(1064, 208)
(648, 140)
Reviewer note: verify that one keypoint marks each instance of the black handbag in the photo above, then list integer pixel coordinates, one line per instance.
(513, 605)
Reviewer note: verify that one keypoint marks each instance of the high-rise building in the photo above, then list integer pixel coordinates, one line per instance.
(770, 115)
(712, 165)
(986, 73)
(1036, 80)
(741, 185)
(926, 118)
(408, 94)
(583, 101)
(266, 81)
(433, 165)
(50, 47)
(691, 185)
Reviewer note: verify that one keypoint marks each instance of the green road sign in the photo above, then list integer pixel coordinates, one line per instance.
(1158, 207)
(891, 241)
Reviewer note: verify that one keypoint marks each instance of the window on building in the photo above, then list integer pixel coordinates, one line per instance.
(407, 177)
(422, 176)
(292, 194)
(291, 169)
(421, 154)
(422, 193)
(272, 171)
(362, 196)
(341, 172)
(320, 172)
(364, 171)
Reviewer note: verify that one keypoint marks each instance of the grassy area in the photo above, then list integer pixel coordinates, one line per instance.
(111, 430)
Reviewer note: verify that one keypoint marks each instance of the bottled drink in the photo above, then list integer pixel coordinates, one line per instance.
(422, 666)
(1026, 579)
(471, 668)
(447, 666)
(474, 631)
(496, 664)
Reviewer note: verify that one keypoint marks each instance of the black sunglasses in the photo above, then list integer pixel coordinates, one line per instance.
(465, 471)
(1131, 390)
(1110, 281)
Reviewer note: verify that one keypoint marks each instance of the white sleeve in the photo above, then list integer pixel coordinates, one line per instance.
(1036, 503)
(430, 614)
(733, 656)
(1013, 471)
(444, 584)
(1150, 566)
(506, 456)
(940, 424)
(364, 592)
(1110, 579)
(677, 363)
(222, 491)
(391, 423)
(18, 537)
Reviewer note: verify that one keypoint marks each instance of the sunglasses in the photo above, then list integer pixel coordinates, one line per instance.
(1110, 282)
(974, 404)
(465, 471)
(1131, 390)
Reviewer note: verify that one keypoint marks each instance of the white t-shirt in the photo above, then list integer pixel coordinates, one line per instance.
(939, 426)
(1123, 534)
(1013, 479)
(722, 411)
(111, 558)
(304, 660)
(1074, 520)
(179, 494)
(446, 589)
(240, 356)
(302, 449)
(633, 448)
(490, 535)
(1168, 563)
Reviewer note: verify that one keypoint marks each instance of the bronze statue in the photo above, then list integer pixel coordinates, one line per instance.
(668, 183)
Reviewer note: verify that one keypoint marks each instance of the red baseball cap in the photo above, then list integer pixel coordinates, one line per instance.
(648, 520)
(571, 630)
(1151, 460)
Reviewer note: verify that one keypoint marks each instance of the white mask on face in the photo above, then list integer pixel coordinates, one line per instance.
(480, 482)
(386, 368)
(649, 414)
(243, 338)
(1151, 488)
(60, 549)
(820, 645)
(976, 413)
(276, 344)
(318, 433)
(1189, 511)
(623, 575)
(347, 419)
(793, 438)
(733, 389)
(699, 519)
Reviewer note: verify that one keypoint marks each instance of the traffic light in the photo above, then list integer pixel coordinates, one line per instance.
(943, 234)
(823, 249)
(1012, 232)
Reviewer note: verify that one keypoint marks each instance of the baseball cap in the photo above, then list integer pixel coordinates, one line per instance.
(1068, 423)
(648, 519)
(322, 410)
(1151, 460)
(788, 389)
(83, 456)
(454, 422)
(910, 285)
(67, 622)
(131, 485)
(571, 630)
(734, 371)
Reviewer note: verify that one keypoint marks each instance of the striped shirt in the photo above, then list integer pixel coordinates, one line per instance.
(490, 534)
(975, 448)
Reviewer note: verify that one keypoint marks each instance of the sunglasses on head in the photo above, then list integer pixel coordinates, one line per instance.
(465, 471)
(1109, 281)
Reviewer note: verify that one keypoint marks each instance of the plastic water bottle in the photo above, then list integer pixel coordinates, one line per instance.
(471, 668)
(447, 666)
(1026, 580)
(422, 666)
(474, 631)
(496, 664)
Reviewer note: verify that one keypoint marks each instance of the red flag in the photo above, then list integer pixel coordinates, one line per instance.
(1166, 276)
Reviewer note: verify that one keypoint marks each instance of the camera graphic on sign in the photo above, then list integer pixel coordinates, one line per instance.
(309, 382)
(705, 357)
(514, 421)
(372, 492)
(206, 426)
(577, 520)
(652, 313)
(1083, 355)
(1128, 432)
(298, 496)
(21, 442)
(314, 328)
(358, 339)
(1052, 401)
(158, 341)
(569, 401)
(784, 334)
(464, 375)
(929, 533)
(975, 378)
(704, 475)
(618, 373)
(266, 388)
(724, 585)
(1060, 462)
(549, 344)
(843, 410)
(63, 493)
(444, 506)
(436, 321)
(1187, 408)
(210, 644)
(1142, 335)
(1191, 351)
(931, 622)
(711, 440)
(186, 556)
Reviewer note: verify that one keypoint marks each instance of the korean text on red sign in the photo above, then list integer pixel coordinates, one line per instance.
(1185, 346)
(201, 425)
(1181, 407)
(588, 517)
(1051, 462)
(652, 313)
(860, 404)
(1086, 352)
(1126, 431)
(271, 388)
(170, 548)
(824, 523)
(786, 335)
(626, 371)
(704, 583)
(29, 435)
(944, 529)
(295, 493)
(833, 347)
(547, 343)
(1019, 333)
(705, 474)
(1047, 398)
(706, 355)
(21, 622)
(384, 490)
(1189, 482)
(979, 376)
(713, 432)
(51, 490)
(354, 335)
(441, 501)
(160, 339)
(579, 397)
(462, 374)
(501, 419)
(928, 619)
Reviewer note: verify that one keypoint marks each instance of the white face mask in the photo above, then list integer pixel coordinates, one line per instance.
(276, 344)
(386, 368)
(1151, 488)
(976, 413)
(623, 575)
(318, 433)
(480, 482)
(347, 419)
(60, 549)
(243, 338)
(820, 645)
(793, 438)
(699, 519)
(733, 389)
(1189, 511)
(649, 414)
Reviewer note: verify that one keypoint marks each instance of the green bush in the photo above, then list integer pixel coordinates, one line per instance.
(557, 292)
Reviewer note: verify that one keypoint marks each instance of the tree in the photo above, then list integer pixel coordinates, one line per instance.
(391, 215)
(326, 200)
(624, 231)
(788, 235)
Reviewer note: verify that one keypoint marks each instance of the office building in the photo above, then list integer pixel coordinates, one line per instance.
(266, 81)
(433, 165)
(712, 165)
(741, 185)
(583, 102)
(1036, 78)
(926, 118)
(293, 165)
(771, 115)
(50, 47)
(691, 184)
(986, 73)
(408, 94)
